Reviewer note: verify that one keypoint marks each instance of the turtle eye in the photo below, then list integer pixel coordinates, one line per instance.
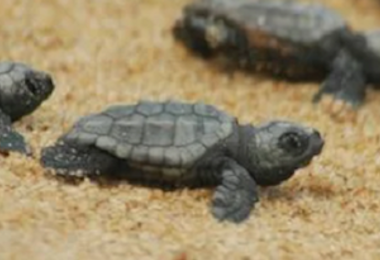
(292, 142)
(31, 85)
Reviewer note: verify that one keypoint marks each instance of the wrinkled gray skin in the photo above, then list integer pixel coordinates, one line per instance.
(22, 90)
(288, 39)
(174, 144)
(366, 48)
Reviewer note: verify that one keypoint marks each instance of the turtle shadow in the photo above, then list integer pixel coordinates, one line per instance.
(286, 192)
(106, 181)
(291, 193)
(278, 72)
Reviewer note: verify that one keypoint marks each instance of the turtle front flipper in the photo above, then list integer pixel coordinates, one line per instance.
(236, 195)
(70, 161)
(346, 81)
(10, 140)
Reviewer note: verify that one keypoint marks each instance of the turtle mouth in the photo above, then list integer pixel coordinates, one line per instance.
(274, 177)
(317, 142)
(315, 148)
(305, 163)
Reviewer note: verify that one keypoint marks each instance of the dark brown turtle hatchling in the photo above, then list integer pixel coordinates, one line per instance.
(302, 41)
(22, 90)
(175, 144)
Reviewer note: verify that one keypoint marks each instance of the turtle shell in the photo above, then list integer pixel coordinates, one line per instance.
(265, 21)
(372, 38)
(14, 69)
(168, 134)
(12, 73)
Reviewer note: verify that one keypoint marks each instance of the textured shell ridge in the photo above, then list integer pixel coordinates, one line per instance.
(170, 134)
(299, 22)
(373, 41)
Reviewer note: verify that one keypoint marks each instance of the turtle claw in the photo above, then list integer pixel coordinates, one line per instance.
(352, 100)
(339, 109)
(232, 206)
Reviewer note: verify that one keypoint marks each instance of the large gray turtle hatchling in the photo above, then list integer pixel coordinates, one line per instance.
(185, 145)
(22, 90)
(288, 39)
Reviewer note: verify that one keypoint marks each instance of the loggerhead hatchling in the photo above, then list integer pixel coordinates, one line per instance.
(180, 144)
(289, 39)
(22, 90)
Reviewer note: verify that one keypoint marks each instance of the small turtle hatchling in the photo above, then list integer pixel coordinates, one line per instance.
(180, 144)
(289, 39)
(22, 90)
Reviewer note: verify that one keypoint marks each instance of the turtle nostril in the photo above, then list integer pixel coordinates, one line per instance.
(319, 142)
(317, 133)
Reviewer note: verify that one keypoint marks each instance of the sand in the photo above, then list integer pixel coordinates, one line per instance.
(119, 51)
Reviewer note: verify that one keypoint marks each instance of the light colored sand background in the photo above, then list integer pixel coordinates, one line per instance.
(102, 52)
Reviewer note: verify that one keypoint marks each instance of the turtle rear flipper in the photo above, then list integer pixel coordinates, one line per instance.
(10, 140)
(346, 81)
(75, 161)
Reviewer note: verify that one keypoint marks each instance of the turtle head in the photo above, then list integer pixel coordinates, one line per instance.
(200, 32)
(191, 31)
(279, 148)
(25, 97)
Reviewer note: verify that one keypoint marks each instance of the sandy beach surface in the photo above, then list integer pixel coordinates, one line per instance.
(103, 52)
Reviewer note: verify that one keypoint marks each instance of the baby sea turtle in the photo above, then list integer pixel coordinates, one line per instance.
(298, 41)
(179, 144)
(22, 90)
